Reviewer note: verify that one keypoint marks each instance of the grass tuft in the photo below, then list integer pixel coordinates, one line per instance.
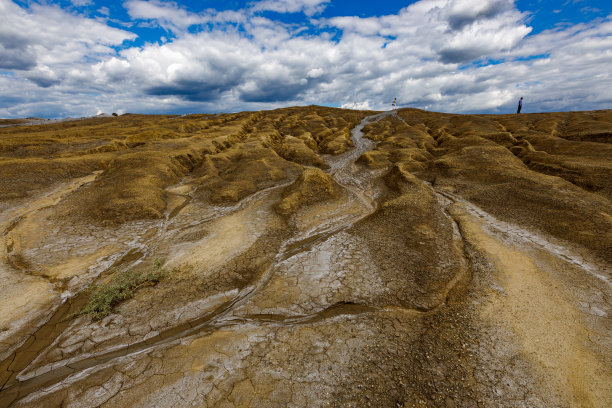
(121, 287)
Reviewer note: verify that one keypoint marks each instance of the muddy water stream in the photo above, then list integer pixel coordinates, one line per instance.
(344, 171)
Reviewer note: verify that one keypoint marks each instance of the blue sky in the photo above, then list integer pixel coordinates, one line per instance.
(81, 57)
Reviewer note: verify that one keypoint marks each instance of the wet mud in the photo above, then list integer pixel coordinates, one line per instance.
(315, 256)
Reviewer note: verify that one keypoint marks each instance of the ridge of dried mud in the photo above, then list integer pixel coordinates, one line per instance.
(318, 256)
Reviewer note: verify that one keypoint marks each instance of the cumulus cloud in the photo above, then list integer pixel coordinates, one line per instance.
(81, 3)
(16, 52)
(308, 7)
(41, 42)
(461, 13)
(453, 30)
(445, 55)
(356, 105)
(166, 14)
(43, 76)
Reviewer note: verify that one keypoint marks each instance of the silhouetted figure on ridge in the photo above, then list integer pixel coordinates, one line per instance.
(520, 105)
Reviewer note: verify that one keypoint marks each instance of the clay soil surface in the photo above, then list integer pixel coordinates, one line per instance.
(308, 257)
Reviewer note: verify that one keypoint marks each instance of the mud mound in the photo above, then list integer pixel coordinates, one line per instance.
(296, 150)
(449, 260)
(312, 186)
(522, 168)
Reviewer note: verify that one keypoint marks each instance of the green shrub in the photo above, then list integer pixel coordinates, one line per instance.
(121, 286)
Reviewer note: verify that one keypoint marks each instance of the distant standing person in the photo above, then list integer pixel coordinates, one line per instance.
(394, 103)
(520, 105)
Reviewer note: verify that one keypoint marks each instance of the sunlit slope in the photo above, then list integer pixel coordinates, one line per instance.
(551, 171)
(306, 257)
(234, 154)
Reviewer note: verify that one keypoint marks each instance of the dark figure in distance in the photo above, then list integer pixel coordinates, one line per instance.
(520, 105)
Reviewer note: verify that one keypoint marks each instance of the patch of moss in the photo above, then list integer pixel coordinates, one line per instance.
(121, 287)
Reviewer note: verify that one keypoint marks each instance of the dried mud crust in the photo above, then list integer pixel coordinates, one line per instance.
(452, 261)
(489, 160)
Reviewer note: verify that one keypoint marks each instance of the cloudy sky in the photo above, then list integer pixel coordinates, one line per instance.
(82, 57)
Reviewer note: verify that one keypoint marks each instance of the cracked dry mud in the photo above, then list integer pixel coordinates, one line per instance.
(318, 257)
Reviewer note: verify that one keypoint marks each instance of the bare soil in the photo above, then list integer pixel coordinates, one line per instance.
(316, 257)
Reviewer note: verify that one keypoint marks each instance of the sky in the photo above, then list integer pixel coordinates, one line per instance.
(73, 58)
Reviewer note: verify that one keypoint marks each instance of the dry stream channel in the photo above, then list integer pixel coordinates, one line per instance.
(360, 205)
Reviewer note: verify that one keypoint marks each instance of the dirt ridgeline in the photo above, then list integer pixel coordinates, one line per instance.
(461, 260)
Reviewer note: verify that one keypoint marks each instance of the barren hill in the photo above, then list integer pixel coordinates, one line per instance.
(307, 257)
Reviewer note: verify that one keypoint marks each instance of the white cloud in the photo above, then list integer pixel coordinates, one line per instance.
(81, 3)
(48, 38)
(167, 15)
(364, 105)
(308, 7)
(460, 13)
(432, 54)
(315, 73)
(43, 76)
(454, 30)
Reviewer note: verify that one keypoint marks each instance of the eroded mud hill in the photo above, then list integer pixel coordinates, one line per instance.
(309, 257)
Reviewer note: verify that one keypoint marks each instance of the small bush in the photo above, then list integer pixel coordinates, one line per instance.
(122, 286)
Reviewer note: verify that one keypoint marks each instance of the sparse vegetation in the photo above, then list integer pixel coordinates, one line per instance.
(121, 287)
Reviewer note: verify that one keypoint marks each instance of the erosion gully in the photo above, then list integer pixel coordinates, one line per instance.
(351, 178)
(342, 168)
